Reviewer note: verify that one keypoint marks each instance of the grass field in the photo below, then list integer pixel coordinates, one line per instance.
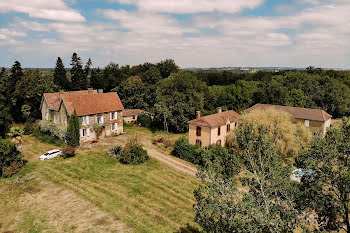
(94, 193)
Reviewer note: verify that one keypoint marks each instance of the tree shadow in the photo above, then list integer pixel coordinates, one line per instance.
(188, 229)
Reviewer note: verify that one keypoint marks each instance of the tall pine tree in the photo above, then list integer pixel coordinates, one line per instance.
(15, 76)
(60, 75)
(95, 79)
(73, 130)
(87, 69)
(78, 79)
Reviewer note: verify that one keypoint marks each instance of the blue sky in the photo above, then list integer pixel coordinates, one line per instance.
(195, 33)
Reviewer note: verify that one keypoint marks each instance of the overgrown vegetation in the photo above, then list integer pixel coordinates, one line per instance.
(184, 150)
(48, 138)
(10, 158)
(115, 151)
(133, 153)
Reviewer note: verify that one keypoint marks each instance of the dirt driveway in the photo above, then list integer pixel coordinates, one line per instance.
(145, 138)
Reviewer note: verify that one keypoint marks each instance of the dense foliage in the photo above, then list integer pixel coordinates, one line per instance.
(186, 151)
(8, 155)
(266, 204)
(144, 120)
(288, 136)
(133, 153)
(327, 190)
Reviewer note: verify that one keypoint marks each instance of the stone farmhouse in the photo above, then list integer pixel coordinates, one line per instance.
(316, 120)
(212, 129)
(93, 107)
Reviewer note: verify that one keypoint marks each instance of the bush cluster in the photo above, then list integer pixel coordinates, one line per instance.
(15, 132)
(115, 151)
(9, 157)
(68, 152)
(48, 138)
(48, 127)
(144, 120)
(184, 150)
(28, 129)
(133, 153)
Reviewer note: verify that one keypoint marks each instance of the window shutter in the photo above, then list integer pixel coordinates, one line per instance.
(88, 132)
(102, 119)
(87, 120)
(81, 132)
(115, 126)
(116, 115)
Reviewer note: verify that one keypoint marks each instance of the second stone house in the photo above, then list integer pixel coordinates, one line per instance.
(212, 129)
(98, 112)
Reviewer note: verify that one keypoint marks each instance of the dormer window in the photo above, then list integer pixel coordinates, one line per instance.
(85, 120)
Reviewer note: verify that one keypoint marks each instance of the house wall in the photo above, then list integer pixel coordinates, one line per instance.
(316, 127)
(209, 135)
(106, 130)
(223, 134)
(44, 110)
(129, 119)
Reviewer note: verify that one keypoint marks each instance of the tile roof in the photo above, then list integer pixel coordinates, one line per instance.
(132, 112)
(85, 102)
(298, 113)
(54, 99)
(216, 119)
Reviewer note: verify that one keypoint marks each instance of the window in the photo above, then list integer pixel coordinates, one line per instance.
(199, 142)
(198, 131)
(218, 142)
(84, 132)
(307, 123)
(219, 131)
(113, 115)
(114, 126)
(100, 120)
(228, 128)
(133, 117)
(85, 120)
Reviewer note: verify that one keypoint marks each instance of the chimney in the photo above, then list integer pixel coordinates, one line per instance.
(61, 91)
(219, 109)
(90, 90)
(100, 91)
(198, 115)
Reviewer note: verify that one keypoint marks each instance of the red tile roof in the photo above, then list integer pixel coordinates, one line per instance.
(216, 119)
(298, 113)
(85, 102)
(54, 99)
(132, 112)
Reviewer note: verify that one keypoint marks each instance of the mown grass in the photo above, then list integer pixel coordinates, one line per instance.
(151, 197)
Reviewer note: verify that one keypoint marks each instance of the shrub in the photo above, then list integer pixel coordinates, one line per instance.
(133, 153)
(50, 128)
(15, 132)
(12, 169)
(162, 139)
(115, 151)
(144, 120)
(97, 129)
(184, 150)
(48, 138)
(8, 154)
(28, 129)
(68, 152)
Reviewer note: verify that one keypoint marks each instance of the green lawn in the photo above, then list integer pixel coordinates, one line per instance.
(146, 198)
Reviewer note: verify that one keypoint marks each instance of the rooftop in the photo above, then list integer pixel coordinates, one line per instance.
(296, 112)
(216, 119)
(84, 102)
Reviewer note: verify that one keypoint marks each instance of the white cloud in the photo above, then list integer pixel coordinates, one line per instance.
(52, 10)
(192, 6)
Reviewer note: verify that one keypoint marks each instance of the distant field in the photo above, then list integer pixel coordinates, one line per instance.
(94, 193)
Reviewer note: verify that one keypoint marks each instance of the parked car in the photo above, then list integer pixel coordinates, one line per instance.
(51, 154)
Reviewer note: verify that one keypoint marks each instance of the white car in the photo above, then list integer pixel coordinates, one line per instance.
(51, 154)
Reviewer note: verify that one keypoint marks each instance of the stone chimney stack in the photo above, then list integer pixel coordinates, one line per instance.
(198, 115)
(100, 91)
(219, 109)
